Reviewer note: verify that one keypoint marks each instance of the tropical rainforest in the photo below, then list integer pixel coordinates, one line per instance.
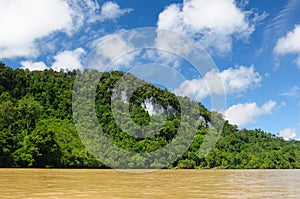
(39, 128)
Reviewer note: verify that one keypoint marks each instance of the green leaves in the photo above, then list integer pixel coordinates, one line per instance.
(37, 127)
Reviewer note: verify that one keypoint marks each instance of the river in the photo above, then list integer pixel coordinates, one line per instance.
(92, 183)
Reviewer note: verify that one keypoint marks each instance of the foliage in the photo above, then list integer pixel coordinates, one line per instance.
(37, 128)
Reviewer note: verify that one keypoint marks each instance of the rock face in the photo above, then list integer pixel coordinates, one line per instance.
(152, 107)
(124, 97)
(149, 104)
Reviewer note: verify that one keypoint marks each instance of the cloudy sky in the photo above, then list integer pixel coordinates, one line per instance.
(255, 45)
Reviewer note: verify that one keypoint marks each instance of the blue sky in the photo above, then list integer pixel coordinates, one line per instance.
(255, 44)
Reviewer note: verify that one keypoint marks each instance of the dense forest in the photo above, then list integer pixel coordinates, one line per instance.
(38, 127)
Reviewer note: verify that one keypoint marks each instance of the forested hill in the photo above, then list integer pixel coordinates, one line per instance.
(37, 126)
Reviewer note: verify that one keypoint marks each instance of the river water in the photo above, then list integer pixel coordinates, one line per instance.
(92, 183)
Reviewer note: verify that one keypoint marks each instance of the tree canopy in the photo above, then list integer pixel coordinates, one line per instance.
(37, 126)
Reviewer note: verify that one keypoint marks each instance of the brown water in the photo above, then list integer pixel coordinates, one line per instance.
(54, 183)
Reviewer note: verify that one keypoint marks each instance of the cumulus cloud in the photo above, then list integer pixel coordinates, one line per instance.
(66, 60)
(90, 11)
(287, 134)
(243, 114)
(239, 79)
(289, 44)
(214, 23)
(32, 66)
(112, 11)
(116, 48)
(235, 80)
(23, 22)
(112, 46)
(28, 21)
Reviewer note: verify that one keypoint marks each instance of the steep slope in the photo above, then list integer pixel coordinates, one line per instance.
(38, 128)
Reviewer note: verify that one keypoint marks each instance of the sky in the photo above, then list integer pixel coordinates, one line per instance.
(254, 44)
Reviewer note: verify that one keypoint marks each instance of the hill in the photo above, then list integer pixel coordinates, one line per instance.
(38, 127)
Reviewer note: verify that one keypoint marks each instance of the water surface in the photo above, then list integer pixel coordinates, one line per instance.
(90, 183)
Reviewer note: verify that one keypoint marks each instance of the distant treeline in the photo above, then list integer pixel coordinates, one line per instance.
(37, 126)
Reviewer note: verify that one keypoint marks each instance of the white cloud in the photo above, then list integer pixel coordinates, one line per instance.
(114, 48)
(27, 22)
(195, 88)
(173, 44)
(93, 12)
(162, 57)
(282, 104)
(214, 23)
(68, 59)
(235, 80)
(240, 79)
(24, 21)
(288, 133)
(33, 65)
(292, 92)
(289, 44)
(243, 114)
(112, 11)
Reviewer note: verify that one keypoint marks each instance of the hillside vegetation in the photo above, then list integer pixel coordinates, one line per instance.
(37, 127)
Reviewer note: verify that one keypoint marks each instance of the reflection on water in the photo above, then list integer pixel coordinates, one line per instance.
(67, 183)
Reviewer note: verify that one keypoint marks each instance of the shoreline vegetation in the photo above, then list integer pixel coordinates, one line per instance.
(37, 127)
